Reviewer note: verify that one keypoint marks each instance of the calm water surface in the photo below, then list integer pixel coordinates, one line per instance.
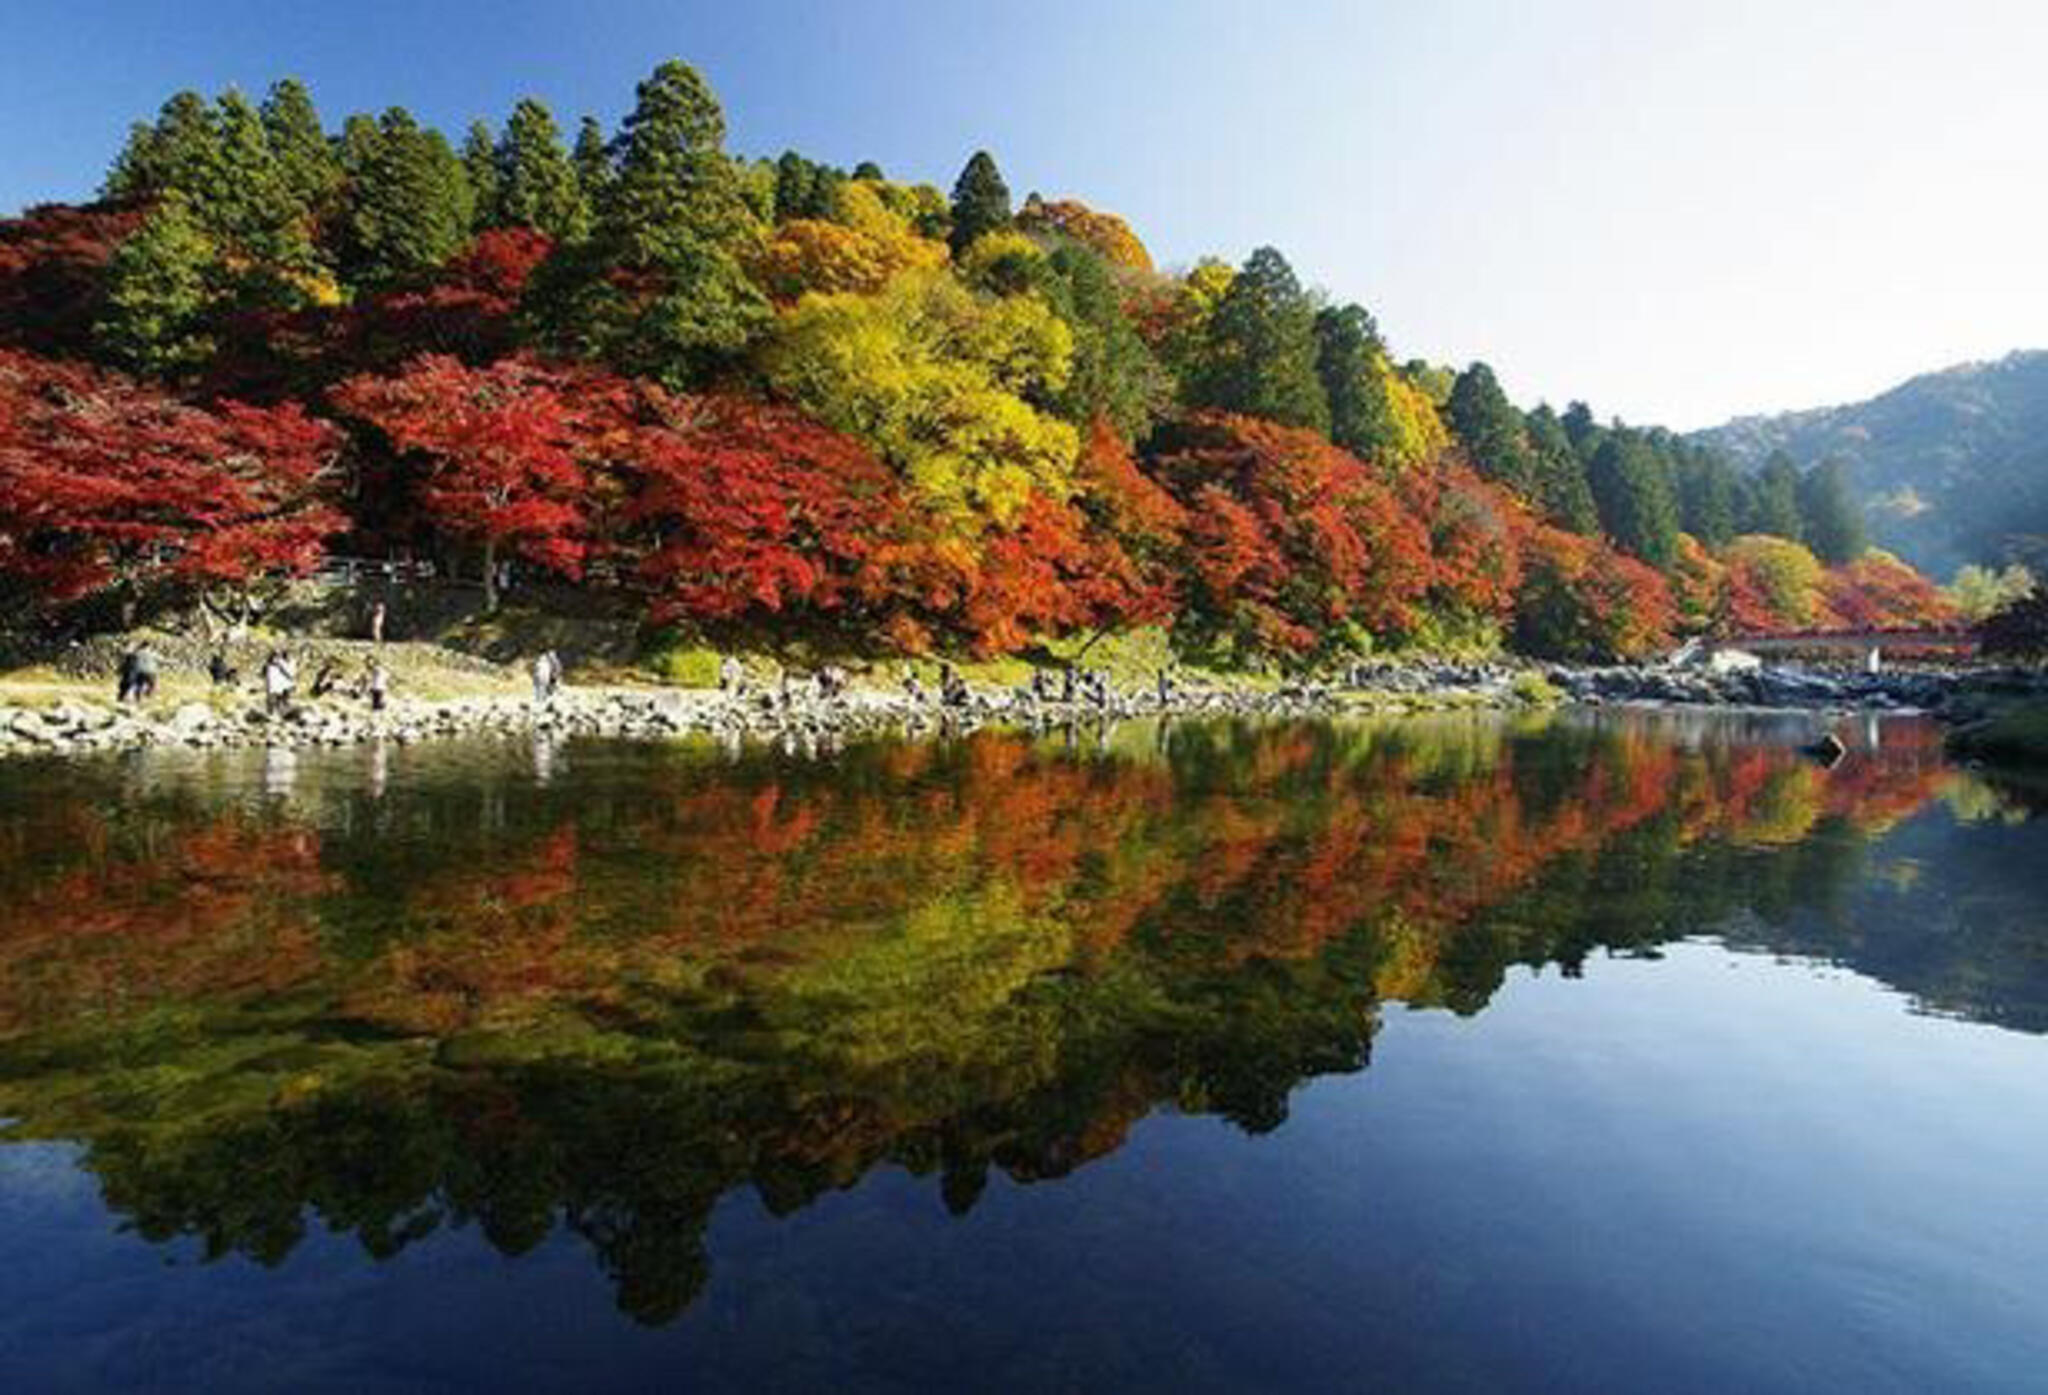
(1631, 1053)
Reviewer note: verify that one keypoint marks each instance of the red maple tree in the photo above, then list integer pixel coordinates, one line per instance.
(500, 454)
(738, 508)
(109, 485)
(1293, 542)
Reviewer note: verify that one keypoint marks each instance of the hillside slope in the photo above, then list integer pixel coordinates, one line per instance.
(1953, 464)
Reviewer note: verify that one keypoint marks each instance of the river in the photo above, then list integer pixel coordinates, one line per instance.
(1559, 1051)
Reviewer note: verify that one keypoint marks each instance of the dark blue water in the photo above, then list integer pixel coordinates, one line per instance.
(1633, 1054)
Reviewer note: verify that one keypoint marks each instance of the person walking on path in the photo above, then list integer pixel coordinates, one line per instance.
(547, 676)
(378, 684)
(142, 674)
(280, 676)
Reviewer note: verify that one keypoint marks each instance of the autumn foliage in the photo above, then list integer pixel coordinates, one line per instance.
(496, 456)
(744, 510)
(1582, 599)
(1290, 542)
(773, 393)
(107, 485)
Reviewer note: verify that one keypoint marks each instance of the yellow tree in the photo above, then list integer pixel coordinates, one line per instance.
(858, 251)
(1106, 233)
(940, 382)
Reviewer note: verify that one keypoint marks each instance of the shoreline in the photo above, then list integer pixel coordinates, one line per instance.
(77, 727)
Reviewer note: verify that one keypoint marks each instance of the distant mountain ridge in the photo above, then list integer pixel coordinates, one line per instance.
(1953, 465)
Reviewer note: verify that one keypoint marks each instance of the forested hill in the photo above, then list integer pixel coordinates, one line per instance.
(1953, 465)
(772, 398)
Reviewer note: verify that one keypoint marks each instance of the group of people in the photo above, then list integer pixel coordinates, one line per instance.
(281, 681)
(141, 666)
(828, 682)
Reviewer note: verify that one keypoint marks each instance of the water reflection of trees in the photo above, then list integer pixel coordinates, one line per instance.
(603, 1001)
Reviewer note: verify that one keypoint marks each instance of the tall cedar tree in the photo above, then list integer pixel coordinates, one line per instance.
(660, 287)
(251, 208)
(1491, 430)
(1774, 499)
(1562, 489)
(804, 188)
(593, 161)
(981, 202)
(1832, 519)
(410, 204)
(1258, 356)
(1637, 506)
(1114, 374)
(178, 152)
(158, 289)
(305, 159)
(1581, 430)
(1707, 491)
(480, 168)
(1349, 356)
(537, 185)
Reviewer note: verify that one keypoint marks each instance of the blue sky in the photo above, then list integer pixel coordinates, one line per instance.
(1675, 211)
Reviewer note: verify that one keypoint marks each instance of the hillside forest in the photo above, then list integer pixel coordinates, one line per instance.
(753, 396)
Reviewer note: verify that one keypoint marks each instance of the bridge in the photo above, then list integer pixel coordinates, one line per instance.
(1871, 644)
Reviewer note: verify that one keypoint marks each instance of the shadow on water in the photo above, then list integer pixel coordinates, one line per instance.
(597, 987)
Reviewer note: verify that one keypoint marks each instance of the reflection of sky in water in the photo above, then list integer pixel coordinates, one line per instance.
(1687, 1168)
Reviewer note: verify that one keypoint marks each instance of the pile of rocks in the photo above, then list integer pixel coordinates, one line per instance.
(1927, 690)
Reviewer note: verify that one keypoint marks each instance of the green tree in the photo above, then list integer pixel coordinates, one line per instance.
(660, 286)
(1978, 592)
(1582, 430)
(1350, 364)
(1114, 374)
(179, 152)
(1774, 499)
(1561, 484)
(1258, 354)
(480, 167)
(1708, 496)
(804, 188)
(159, 289)
(1831, 519)
(248, 205)
(409, 202)
(537, 184)
(593, 161)
(306, 161)
(981, 202)
(1637, 505)
(1491, 430)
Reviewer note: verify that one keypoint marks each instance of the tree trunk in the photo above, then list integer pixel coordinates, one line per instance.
(491, 577)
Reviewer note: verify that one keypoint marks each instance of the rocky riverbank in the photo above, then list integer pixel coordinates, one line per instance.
(81, 727)
(1919, 689)
(804, 716)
